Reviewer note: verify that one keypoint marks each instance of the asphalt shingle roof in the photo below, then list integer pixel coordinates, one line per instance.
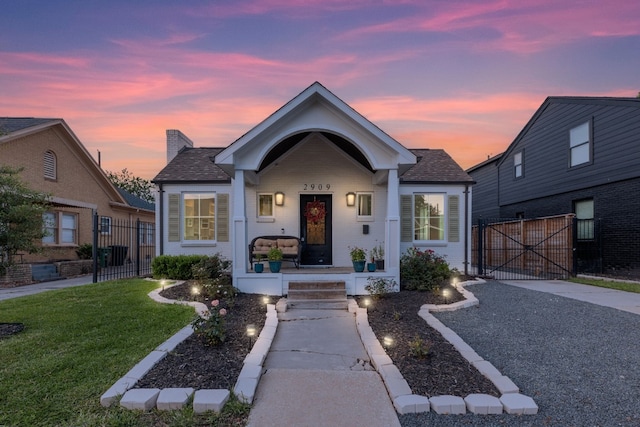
(13, 124)
(435, 165)
(136, 201)
(193, 165)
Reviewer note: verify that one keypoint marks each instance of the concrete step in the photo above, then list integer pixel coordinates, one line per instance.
(316, 285)
(318, 304)
(44, 272)
(296, 294)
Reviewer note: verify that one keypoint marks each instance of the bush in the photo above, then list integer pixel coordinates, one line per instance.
(211, 328)
(423, 270)
(85, 251)
(176, 267)
(379, 287)
(213, 275)
(419, 348)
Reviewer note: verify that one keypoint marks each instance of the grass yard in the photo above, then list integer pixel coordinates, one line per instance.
(76, 343)
(610, 284)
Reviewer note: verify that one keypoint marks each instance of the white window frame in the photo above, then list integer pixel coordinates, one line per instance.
(194, 219)
(518, 164)
(259, 215)
(63, 234)
(442, 216)
(108, 221)
(580, 145)
(359, 215)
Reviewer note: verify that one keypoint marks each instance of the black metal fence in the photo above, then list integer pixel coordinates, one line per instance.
(122, 248)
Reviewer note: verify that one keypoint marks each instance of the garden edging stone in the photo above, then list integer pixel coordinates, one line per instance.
(203, 400)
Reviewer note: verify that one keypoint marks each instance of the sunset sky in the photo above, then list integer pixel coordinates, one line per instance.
(465, 76)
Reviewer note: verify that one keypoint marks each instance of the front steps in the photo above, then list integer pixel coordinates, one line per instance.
(44, 273)
(319, 295)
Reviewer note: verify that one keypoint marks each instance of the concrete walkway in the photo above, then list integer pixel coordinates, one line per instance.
(318, 374)
(621, 300)
(20, 291)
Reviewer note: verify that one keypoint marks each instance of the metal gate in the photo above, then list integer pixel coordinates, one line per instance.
(122, 248)
(540, 248)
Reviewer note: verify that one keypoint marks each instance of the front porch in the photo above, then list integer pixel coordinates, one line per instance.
(278, 283)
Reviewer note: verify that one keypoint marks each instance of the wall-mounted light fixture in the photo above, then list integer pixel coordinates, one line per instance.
(279, 198)
(351, 199)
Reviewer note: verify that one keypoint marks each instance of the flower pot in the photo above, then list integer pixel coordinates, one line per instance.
(380, 264)
(258, 267)
(274, 266)
(371, 267)
(358, 266)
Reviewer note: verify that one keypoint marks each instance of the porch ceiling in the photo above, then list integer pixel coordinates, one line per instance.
(288, 143)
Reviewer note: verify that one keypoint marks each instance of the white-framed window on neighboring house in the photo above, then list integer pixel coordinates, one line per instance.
(585, 217)
(105, 225)
(518, 166)
(429, 217)
(580, 145)
(265, 208)
(198, 211)
(146, 233)
(364, 206)
(61, 228)
(50, 165)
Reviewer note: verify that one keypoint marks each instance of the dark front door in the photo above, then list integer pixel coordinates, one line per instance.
(315, 229)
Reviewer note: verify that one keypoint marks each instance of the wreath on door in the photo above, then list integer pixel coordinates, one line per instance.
(315, 211)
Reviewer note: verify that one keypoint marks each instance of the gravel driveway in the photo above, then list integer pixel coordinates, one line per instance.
(580, 362)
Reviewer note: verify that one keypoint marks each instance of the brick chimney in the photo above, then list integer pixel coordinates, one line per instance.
(176, 140)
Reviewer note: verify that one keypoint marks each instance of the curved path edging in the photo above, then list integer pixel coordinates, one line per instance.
(405, 402)
(176, 398)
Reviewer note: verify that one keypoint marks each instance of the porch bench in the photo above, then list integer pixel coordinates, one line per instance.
(291, 247)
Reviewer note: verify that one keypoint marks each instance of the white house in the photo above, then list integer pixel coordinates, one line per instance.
(319, 171)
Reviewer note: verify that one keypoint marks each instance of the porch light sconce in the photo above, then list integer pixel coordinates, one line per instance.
(351, 199)
(279, 198)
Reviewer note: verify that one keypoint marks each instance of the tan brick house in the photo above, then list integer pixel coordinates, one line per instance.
(55, 162)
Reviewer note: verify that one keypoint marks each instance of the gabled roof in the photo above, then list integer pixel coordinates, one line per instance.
(193, 165)
(435, 166)
(13, 124)
(582, 100)
(490, 160)
(135, 201)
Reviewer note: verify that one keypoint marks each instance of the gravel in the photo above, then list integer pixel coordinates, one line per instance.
(580, 362)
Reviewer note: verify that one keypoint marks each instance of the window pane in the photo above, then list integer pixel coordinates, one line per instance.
(364, 204)
(265, 205)
(579, 134)
(429, 217)
(580, 154)
(49, 226)
(199, 215)
(68, 228)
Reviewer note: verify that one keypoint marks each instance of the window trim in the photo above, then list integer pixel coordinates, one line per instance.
(59, 229)
(360, 217)
(109, 224)
(443, 215)
(580, 144)
(266, 218)
(520, 164)
(211, 226)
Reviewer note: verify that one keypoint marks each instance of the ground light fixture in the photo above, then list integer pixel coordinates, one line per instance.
(445, 294)
(265, 300)
(367, 303)
(195, 290)
(387, 341)
(251, 332)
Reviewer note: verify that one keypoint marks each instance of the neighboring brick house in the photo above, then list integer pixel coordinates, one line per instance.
(319, 171)
(576, 155)
(55, 162)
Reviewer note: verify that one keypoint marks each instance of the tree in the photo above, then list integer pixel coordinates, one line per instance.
(21, 210)
(127, 181)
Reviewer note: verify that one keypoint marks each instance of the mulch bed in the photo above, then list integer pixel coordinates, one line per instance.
(444, 371)
(8, 329)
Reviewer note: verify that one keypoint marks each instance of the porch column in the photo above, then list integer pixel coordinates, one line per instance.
(392, 226)
(239, 234)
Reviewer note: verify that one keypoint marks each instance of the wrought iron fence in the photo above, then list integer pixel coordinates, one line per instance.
(122, 248)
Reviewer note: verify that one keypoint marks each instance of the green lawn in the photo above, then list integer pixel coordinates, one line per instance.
(76, 343)
(603, 283)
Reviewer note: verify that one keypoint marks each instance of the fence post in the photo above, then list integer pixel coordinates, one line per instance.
(574, 246)
(137, 261)
(95, 247)
(480, 246)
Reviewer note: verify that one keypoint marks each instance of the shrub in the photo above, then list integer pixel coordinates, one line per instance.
(378, 287)
(419, 348)
(176, 267)
(85, 251)
(423, 270)
(211, 327)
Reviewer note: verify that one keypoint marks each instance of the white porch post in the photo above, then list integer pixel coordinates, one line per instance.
(239, 234)
(392, 226)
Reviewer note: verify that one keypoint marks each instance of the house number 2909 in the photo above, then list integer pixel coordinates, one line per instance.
(316, 186)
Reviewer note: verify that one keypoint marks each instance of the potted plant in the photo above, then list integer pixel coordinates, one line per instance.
(358, 257)
(258, 267)
(275, 259)
(378, 254)
(371, 266)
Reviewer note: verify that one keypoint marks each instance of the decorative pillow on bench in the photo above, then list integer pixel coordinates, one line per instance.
(288, 246)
